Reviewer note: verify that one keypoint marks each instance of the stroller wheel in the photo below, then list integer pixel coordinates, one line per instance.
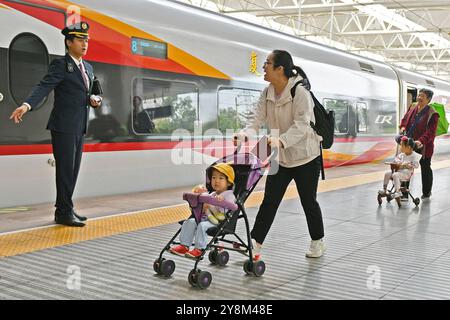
(380, 201)
(416, 201)
(157, 265)
(222, 258)
(248, 267)
(388, 198)
(212, 256)
(259, 267)
(167, 267)
(204, 279)
(192, 278)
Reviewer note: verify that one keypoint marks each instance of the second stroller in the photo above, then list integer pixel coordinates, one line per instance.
(402, 169)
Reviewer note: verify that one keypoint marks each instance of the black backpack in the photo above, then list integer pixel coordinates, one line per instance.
(324, 125)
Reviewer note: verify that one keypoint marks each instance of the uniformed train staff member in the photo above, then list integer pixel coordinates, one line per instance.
(71, 77)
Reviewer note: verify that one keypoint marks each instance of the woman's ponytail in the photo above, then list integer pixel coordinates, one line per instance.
(284, 59)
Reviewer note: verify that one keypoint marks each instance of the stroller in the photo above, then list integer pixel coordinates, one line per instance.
(404, 184)
(404, 188)
(248, 170)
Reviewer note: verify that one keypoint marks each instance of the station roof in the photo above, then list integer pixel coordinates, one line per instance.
(413, 34)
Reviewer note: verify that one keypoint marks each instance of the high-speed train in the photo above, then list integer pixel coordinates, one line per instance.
(163, 66)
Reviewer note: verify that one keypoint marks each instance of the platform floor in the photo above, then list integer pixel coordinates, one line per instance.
(38, 215)
(374, 252)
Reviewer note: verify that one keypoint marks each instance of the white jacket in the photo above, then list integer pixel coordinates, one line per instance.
(292, 118)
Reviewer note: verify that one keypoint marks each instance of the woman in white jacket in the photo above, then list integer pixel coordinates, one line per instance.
(299, 148)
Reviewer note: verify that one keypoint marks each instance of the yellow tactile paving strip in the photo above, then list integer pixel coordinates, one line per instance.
(47, 237)
(15, 209)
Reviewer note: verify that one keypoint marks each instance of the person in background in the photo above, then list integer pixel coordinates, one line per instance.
(420, 124)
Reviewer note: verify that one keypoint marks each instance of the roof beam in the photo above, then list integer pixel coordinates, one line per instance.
(338, 8)
(397, 49)
(378, 32)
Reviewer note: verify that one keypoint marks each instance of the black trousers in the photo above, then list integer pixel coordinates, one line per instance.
(67, 150)
(306, 178)
(427, 175)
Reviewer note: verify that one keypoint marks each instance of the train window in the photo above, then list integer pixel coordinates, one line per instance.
(235, 107)
(345, 118)
(28, 63)
(361, 110)
(161, 107)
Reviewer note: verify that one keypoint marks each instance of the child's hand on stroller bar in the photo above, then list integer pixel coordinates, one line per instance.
(199, 189)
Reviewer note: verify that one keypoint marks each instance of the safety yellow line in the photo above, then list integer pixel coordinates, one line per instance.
(9, 210)
(52, 236)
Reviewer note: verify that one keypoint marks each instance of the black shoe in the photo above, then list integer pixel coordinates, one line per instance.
(426, 196)
(69, 220)
(81, 218)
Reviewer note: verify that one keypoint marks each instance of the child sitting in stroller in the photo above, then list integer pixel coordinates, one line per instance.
(222, 180)
(402, 167)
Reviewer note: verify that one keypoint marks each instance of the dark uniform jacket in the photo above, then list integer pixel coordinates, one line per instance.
(71, 106)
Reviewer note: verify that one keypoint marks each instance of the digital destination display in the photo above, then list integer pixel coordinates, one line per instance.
(149, 48)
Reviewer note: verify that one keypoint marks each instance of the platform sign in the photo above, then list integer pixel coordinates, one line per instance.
(149, 48)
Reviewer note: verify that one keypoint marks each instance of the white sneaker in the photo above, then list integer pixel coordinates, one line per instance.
(256, 250)
(316, 249)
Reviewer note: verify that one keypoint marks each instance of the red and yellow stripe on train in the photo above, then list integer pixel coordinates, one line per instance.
(211, 61)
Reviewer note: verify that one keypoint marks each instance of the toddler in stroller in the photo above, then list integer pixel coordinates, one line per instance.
(222, 180)
(229, 181)
(402, 169)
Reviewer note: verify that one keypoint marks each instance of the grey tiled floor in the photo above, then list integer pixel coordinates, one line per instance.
(409, 247)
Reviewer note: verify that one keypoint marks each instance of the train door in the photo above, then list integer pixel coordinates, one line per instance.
(3, 79)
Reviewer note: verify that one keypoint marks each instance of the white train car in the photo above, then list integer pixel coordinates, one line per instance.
(164, 66)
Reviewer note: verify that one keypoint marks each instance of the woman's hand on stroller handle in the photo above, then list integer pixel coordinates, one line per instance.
(274, 142)
(238, 138)
(199, 189)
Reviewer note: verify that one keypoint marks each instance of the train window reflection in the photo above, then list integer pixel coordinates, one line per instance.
(361, 109)
(235, 107)
(160, 107)
(345, 118)
(28, 63)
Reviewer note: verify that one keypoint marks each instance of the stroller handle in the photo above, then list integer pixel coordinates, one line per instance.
(195, 199)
